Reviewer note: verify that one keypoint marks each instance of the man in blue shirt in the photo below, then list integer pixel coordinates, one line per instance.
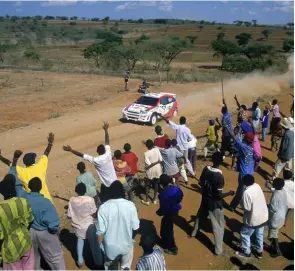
(169, 199)
(45, 225)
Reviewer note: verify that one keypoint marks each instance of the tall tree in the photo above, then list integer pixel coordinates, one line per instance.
(243, 38)
(266, 33)
(192, 39)
(254, 23)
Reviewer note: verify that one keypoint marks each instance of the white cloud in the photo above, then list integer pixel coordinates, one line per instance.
(161, 5)
(282, 6)
(18, 4)
(234, 9)
(266, 9)
(252, 12)
(52, 3)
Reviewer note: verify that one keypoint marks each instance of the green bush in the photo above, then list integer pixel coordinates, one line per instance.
(31, 54)
(108, 36)
(288, 45)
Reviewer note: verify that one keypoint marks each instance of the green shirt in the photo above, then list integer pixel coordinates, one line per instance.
(15, 217)
(89, 181)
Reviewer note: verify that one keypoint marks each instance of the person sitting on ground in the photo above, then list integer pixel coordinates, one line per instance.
(160, 140)
(212, 138)
(122, 169)
(102, 163)
(170, 198)
(180, 162)
(81, 212)
(264, 123)
(45, 226)
(33, 169)
(132, 161)
(278, 208)
(183, 136)
(255, 217)
(153, 258)
(15, 239)
(212, 183)
(87, 178)
(116, 227)
(286, 151)
(289, 188)
(276, 134)
(153, 167)
(170, 158)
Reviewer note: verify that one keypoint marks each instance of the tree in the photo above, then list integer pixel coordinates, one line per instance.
(95, 19)
(76, 39)
(266, 33)
(288, 45)
(201, 27)
(74, 18)
(31, 54)
(243, 38)
(258, 51)
(219, 28)
(290, 33)
(237, 64)
(140, 21)
(254, 23)
(220, 35)
(121, 20)
(238, 23)
(192, 39)
(163, 52)
(247, 24)
(106, 20)
(142, 38)
(224, 48)
(108, 36)
(290, 25)
(72, 23)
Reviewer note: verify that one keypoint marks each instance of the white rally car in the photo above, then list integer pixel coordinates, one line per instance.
(148, 107)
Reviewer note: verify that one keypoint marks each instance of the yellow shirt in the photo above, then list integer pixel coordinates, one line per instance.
(39, 170)
(211, 133)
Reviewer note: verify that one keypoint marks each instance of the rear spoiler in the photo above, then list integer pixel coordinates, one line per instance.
(167, 93)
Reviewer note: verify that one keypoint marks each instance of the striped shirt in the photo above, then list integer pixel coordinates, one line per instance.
(154, 261)
(15, 217)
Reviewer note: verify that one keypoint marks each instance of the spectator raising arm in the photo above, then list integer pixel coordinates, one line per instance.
(106, 133)
(236, 99)
(69, 149)
(4, 160)
(50, 143)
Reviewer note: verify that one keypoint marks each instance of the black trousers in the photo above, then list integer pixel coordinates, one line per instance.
(225, 144)
(167, 233)
(104, 193)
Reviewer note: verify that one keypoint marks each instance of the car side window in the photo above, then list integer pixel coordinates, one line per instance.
(171, 100)
(164, 101)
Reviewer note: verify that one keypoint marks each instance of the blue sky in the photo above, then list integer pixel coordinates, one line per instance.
(265, 12)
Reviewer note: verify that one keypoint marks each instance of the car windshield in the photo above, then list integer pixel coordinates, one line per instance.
(147, 100)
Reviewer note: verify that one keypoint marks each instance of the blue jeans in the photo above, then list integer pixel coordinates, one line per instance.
(94, 246)
(264, 131)
(246, 233)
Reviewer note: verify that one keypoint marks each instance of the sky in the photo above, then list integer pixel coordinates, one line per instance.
(265, 12)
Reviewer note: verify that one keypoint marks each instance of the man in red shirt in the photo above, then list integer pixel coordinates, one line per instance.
(132, 160)
(161, 138)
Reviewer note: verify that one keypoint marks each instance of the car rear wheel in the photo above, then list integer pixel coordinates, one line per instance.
(153, 120)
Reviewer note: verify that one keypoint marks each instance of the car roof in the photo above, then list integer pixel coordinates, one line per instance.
(158, 95)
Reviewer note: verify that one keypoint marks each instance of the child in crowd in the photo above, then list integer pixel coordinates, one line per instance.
(278, 208)
(264, 122)
(212, 138)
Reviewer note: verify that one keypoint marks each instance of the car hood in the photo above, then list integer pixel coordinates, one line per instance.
(139, 107)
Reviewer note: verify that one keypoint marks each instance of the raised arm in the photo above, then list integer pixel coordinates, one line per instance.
(106, 133)
(4, 160)
(237, 102)
(163, 118)
(69, 149)
(50, 143)
(224, 103)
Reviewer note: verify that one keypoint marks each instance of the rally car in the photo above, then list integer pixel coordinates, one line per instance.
(148, 107)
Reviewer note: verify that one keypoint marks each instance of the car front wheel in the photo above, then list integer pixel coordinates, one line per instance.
(153, 119)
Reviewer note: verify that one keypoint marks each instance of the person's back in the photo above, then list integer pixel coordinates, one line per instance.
(226, 121)
(211, 133)
(278, 208)
(16, 216)
(245, 162)
(170, 156)
(265, 118)
(289, 188)
(88, 179)
(117, 218)
(153, 262)
(132, 160)
(152, 156)
(254, 205)
(160, 140)
(286, 151)
(121, 169)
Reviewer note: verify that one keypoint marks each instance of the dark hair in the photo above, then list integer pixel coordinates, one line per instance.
(164, 179)
(240, 119)
(287, 174)
(278, 183)
(81, 166)
(35, 185)
(116, 190)
(80, 189)
(224, 110)
(148, 241)
(158, 129)
(127, 147)
(101, 149)
(118, 154)
(168, 143)
(274, 102)
(182, 120)
(149, 144)
(255, 105)
(244, 107)
(7, 186)
(217, 158)
(265, 112)
(248, 180)
(174, 142)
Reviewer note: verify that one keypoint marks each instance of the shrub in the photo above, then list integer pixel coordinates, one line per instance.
(243, 38)
(55, 115)
(92, 100)
(108, 36)
(31, 54)
(288, 45)
(72, 23)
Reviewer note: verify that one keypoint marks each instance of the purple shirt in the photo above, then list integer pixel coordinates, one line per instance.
(276, 111)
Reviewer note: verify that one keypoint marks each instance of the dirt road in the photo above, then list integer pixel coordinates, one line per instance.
(82, 130)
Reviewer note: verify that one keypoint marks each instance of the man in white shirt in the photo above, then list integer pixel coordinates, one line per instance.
(289, 188)
(255, 217)
(183, 136)
(102, 163)
(116, 226)
(192, 152)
